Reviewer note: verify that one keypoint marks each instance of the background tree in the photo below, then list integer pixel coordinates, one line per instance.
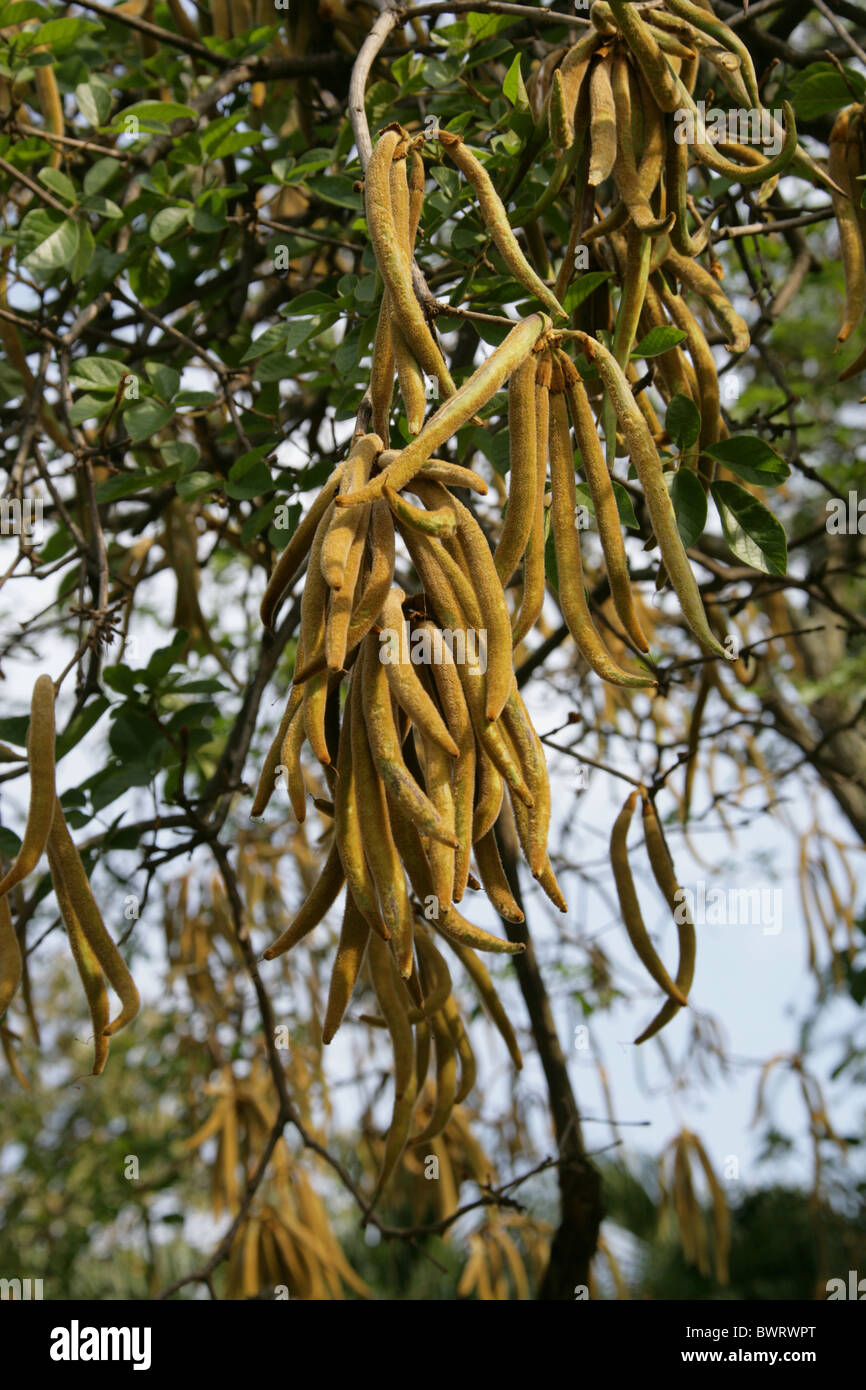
(188, 304)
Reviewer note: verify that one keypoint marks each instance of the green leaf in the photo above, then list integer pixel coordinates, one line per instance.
(81, 725)
(683, 421)
(58, 183)
(46, 242)
(690, 505)
(94, 102)
(9, 842)
(625, 506)
(752, 532)
(752, 459)
(193, 484)
(657, 341)
(58, 34)
(160, 113)
(144, 419)
(101, 174)
(514, 88)
(14, 729)
(580, 289)
(97, 373)
(84, 255)
(167, 222)
(820, 89)
(149, 278)
(484, 26)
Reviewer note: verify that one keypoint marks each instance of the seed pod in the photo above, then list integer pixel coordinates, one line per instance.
(395, 268)
(850, 241)
(480, 977)
(380, 577)
(348, 819)
(606, 512)
(459, 722)
(351, 950)
(630, 907)
(342, 600)
(441, 521)
(663, 871)
(386, 750)
(88, 966)
(625, 167)
(382, 371)
(336, 541)
(534, 577)
(320, 898)
(650, 59)
(572, 597)
(273, 757)
(484, 382)
(40, 754)
(603, 135)
(446, 1080)
(496, 219)
(51, 108)
(522, 477)
(68, 871)
(11, 968)
(298, 548)
(290, 759)
(644, 456)
(391, 999)
(495, 883)
(403, 679)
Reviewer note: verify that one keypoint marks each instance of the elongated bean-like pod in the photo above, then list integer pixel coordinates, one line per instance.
(66, 862)
(480, 977)
(343, 526)
(606, 512)
(290, 759)
(446, 1080)
(484, 382)
(625, 166)
(441, 521)
(474, 559)
(703, 19)
(342, 601)
(437, 780)
(650, 59)
(459, 722)
(695, 278)
(394, 265)
(848, 221)
(436, 977)
(465, 1054)
(663, 870)
(320, 898)
(496, 219)
(89, 969)
(40, 757)
(314, 706)
(534, 577)
(11, 968)
(380, 577)
(382, 371)
(488, 800)
(630, 907)
(602, 123)
(387, 753)
(709, 399)
(298, 548)
(561, 124)
(453, 475)
(565, 90)
(351, 949)
(530, 755)
(406, 687)
(389, 994)
(273, 757)
(348, 823)
(493, 878)
(572, 597)
(410, 376)
(647, 464)
(522, 477)
(676, 188)
(51, 108)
